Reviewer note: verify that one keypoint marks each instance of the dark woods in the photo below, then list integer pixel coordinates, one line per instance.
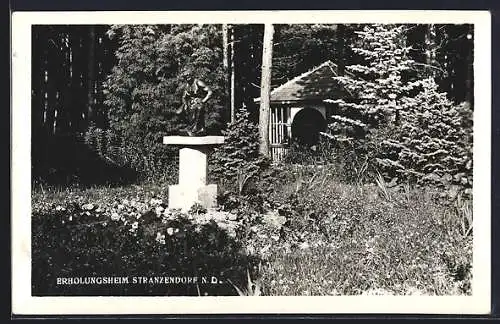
(102, 95)
(69, 65)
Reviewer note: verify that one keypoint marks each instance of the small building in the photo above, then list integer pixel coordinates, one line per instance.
(298, 111)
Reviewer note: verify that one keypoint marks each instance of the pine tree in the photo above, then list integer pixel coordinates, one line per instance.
(415, 132)
(240, 152)
(436, 138)
(380, 85)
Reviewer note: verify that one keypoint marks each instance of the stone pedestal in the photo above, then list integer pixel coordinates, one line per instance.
(193, 187)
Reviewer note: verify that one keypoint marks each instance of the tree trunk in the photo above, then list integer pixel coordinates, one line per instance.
(469, 80)
(341, 48)
(232, 79)
(265, 89)
(228, 61)
(430, 49)
(225, 58)
(91, 75)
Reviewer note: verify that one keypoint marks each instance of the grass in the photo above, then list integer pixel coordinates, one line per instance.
(252, 289)
(338, 238)
(371, 238)
(399, 251)
(44, 197)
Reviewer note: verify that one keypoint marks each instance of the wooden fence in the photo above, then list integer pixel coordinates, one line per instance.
(278, 132)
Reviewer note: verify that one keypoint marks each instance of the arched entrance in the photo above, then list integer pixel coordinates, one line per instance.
(306, 125)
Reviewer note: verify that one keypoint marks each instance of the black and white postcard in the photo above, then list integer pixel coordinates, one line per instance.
(218, 162)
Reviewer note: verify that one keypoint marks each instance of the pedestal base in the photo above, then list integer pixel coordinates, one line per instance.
(185, 196)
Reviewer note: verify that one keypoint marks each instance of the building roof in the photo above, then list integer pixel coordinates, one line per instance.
(314, 85)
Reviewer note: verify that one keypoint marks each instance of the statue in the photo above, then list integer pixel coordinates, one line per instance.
(196, 94)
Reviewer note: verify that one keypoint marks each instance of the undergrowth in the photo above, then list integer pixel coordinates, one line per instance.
(296, 230)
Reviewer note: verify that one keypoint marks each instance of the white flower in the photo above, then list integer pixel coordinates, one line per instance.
(250, 249)
(304, 246)
(154, 201)
(159, 210)
(115, 216)
(120, 207)
(88, 206)
(160, 238)
(170, 231)
(59, 208)
(134, 227)
(265, 248)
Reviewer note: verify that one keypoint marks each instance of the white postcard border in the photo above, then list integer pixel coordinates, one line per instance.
(24, 303)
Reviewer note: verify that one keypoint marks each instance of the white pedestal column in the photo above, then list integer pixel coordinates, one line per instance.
(193, 166)
(192, 187)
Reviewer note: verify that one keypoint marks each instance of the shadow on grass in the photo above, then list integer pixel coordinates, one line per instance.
(65, 160)
(73, 244)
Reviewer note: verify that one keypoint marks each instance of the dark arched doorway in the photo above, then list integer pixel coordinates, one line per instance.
(306, 126)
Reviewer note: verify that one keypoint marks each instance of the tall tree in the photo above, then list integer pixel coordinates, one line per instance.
(247, 47)
(228, 62)
(300, 47)
(232, 76)
(445, 52)
(381, 84)
(265, 90)
(225, 41)
(432, 141)
(430, 45)
(145, 87)
(91, 75)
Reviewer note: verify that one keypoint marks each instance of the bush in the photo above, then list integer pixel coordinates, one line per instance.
(351, 159)
(321, 153)
(238, 161)
(144, 89)
(415, 132)
(67, 160)
(435, 140)
(131, 238)
(311, 234)
(150, 162)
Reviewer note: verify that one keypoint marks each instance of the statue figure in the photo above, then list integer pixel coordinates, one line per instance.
(196, 94)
